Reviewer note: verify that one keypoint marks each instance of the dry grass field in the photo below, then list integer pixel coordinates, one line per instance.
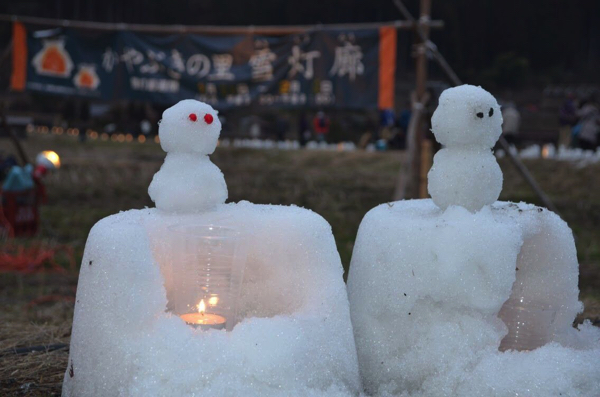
(100, 178)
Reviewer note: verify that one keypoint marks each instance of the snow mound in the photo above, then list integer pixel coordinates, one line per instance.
(294, 339)
(429, 290)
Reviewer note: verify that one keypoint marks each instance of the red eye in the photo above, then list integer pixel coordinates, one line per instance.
(193, 117)
(208, 118)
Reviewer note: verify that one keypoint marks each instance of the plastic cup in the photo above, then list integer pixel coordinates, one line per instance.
(207, 265)
(530, 324)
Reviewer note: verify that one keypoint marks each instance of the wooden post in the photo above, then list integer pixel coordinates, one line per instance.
(426, 161)
(419, 184)
(410, 182)
(11, 134)
(421, 60)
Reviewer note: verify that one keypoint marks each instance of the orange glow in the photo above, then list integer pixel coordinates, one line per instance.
(52, 157)
(545, 152)
(213, 300)
(201, 307)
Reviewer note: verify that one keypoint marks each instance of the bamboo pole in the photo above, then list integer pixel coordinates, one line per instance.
(210, 29)
(406, 170)
(420, 184)
(426, 161)
(409, 182)
(11, 135)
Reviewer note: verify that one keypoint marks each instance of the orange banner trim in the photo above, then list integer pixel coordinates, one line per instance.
(387, 66)
(19, 57)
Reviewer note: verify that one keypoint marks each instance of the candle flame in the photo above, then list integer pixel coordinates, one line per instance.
(201, 307)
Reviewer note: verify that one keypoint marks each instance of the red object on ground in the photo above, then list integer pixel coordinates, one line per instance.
(20, 212)
(34, 258)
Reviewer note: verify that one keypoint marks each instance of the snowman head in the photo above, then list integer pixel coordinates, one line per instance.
(467, 116)
(189, 126)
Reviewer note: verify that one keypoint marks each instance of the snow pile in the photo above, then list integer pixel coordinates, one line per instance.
(295, 338)
(295, 335)
(531, 152)
(468, 123)
(447, 301)
(549, 152)
(287, 145)
(426, 287)
(584, 157)
(188, 181)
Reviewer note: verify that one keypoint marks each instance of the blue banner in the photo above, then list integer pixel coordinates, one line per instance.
(322, 68)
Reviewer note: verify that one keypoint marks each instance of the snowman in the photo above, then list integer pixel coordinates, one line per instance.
(188, 181)
(468, 123)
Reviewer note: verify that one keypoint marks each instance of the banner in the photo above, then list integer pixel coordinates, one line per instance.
(321, 68)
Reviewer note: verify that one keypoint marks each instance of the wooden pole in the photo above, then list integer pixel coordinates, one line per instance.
(419, 183)
(426, 161)
(11, 135)
(405, 176)
(410, 182)
(210, 29)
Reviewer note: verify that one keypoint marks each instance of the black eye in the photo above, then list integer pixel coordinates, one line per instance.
(491, 113)
(480, 115)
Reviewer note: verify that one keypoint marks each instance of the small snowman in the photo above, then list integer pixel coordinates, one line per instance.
(188, 181)
(468, 122)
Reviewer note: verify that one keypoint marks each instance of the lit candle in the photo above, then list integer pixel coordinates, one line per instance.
(204, 320)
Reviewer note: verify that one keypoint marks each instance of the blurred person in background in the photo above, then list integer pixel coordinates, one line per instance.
(511, 124)
(567, 117)
(399, 140)
(387, 121)
(589, 125)
(321, 125)
(281, 127)
(303, 130)
(255, 128)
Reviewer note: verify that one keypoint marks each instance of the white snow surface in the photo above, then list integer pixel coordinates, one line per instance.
(464, 176)
(425, 289)
(295, 338)
(468, 122)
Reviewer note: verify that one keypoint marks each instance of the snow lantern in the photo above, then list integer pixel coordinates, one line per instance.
(464, 295)
(198, 297)
(210, 260)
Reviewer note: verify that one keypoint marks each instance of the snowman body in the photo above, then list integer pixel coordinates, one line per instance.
(468, 123)
(470, 186)
(188, 181)
(200, 189)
